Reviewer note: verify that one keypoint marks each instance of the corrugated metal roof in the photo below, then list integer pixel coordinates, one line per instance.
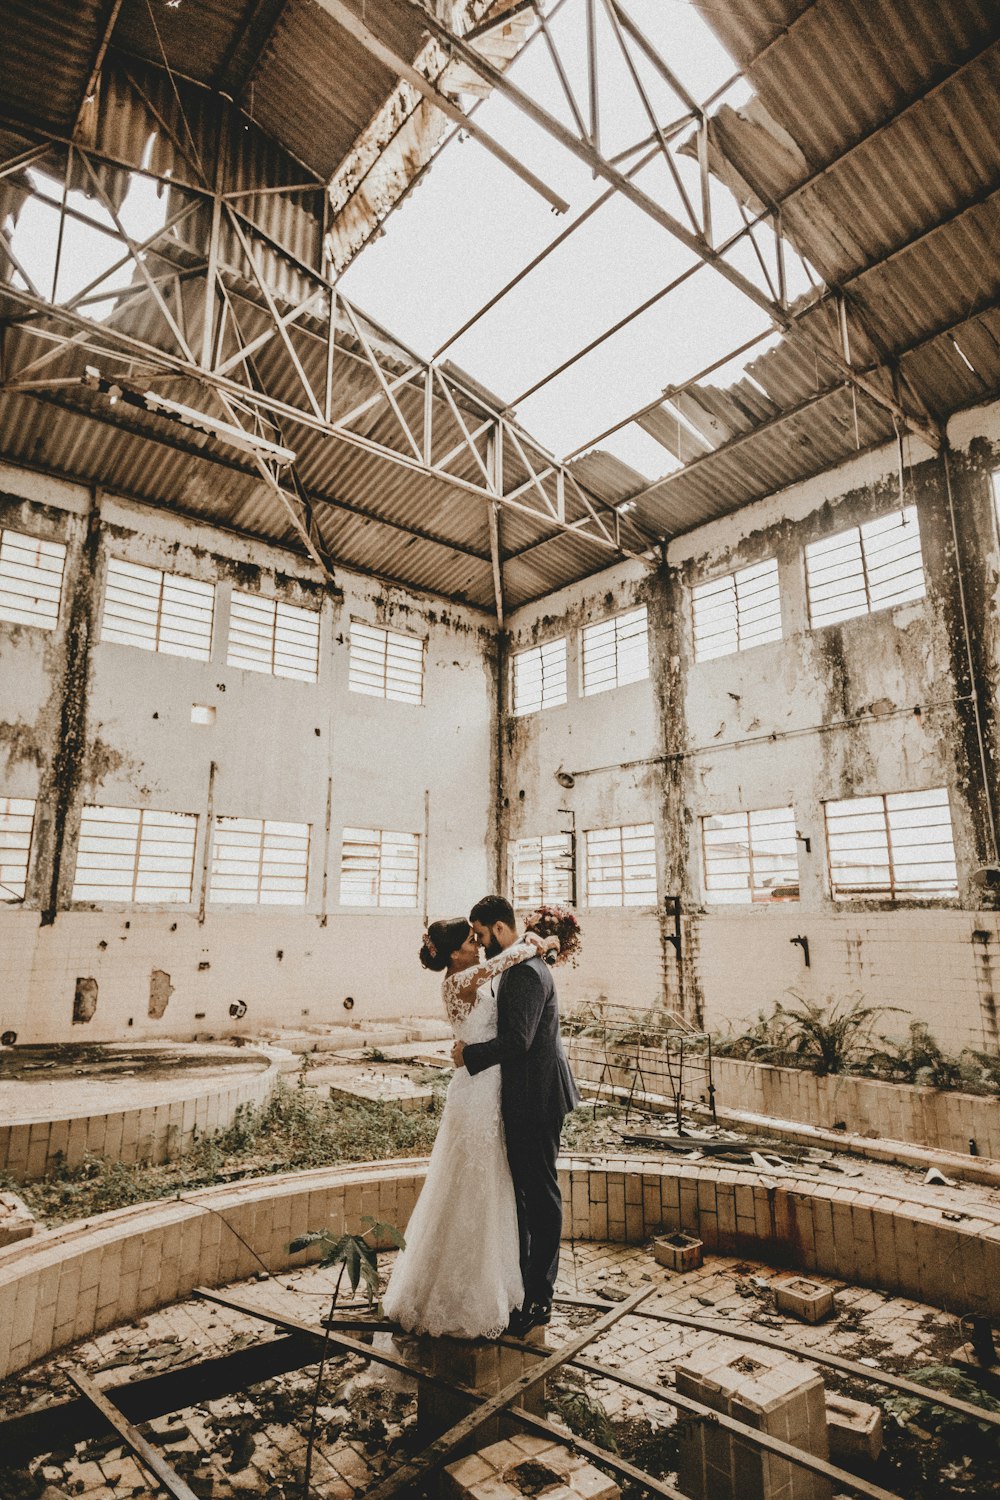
(875, 129)
(874, 126)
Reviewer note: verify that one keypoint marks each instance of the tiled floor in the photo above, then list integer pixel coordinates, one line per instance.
(254, 1443)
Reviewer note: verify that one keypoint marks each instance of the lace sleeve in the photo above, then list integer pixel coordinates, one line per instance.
(459, 990)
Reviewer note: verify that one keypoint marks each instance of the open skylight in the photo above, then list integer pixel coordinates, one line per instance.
(473, 226)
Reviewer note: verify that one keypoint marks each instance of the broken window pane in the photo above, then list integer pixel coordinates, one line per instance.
(621, 866)
(897, 844)
(541, 869)
(135, 854)
(386, 664)
(379, 868)
(31, 574)
(750, 857)
(540, 677)
(615, 652)
(736, 612)
(157, 611)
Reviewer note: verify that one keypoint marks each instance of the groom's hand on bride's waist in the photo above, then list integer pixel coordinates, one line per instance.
(458, 1054)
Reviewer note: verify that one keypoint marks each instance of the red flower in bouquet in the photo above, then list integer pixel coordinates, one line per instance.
(560, 922)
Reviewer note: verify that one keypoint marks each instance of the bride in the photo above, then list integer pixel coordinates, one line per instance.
(460, 1273)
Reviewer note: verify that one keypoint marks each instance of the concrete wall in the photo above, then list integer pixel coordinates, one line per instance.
(82, 722)
(894, 701)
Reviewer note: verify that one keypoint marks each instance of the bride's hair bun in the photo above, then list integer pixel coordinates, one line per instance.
(431, 959)
(441, 940)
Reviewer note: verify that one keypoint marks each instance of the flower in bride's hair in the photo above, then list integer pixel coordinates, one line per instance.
(429, 945)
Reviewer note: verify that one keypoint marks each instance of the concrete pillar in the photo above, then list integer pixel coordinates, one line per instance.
(765, 1390)
(483, 1366)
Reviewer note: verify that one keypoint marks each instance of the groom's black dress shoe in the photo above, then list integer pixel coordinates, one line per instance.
(532, 1315)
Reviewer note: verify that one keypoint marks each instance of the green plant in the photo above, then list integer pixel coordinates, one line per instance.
(947, 1426)
(585, 1416)
(827, 1037)
(359, 1262)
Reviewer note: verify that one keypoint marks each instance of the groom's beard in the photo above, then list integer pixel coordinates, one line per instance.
(493, 948)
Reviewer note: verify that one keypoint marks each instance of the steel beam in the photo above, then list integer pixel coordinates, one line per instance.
(586, 153)
(355, 27)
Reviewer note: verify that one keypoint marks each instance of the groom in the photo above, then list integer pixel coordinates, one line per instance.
(536, 1092)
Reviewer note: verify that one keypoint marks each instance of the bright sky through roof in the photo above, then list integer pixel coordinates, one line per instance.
(472, 224)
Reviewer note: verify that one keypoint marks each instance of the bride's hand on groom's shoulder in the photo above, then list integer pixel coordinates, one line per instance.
(543, 944)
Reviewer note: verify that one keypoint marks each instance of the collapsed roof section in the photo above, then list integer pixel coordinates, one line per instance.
(279, 133)
(872, 134)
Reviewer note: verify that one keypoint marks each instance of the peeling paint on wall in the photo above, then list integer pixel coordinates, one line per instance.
(68, 767)
(160, 990)
(84, 1001)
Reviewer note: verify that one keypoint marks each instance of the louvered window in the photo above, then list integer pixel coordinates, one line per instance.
(540, 677)
(621, 866)
(135, 854)
(379, 868)
(17, 821)
(866, 568)
(259, 862)
(750, 857)
(898, 844)
(31, 574)
(736, 612)
(157, 611)
(266, 635)
(386, 664)
(541, 869)
(615, 652)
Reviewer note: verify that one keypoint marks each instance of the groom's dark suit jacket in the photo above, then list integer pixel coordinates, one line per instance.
(536, 1085)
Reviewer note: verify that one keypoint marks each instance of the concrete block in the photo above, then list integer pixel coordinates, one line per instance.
(678, 1252)
(800, 1298)
(507, 1471)
(765, 1390)
(16, 1221)
(854, 1428)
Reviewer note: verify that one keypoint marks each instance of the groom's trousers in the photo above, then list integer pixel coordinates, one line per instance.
(532, 1156)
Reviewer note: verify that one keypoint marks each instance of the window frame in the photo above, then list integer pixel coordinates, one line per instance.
(544, 702)
(255, 899)
(756, 893)
(141, 813)
(388, 634)
(277, 606)
(157, 647)
(864, 532)
(894, 893)
(381, 835)
(703, 590)
(8, 893)
(616, 620)
(546, 864)
(647, 831)
(39, 543)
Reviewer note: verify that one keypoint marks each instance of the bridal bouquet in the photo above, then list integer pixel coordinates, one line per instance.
(560, 922)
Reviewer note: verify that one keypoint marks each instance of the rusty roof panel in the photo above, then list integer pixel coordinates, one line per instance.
(49, 48)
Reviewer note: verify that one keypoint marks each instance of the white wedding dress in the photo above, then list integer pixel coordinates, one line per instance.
(460, 1273)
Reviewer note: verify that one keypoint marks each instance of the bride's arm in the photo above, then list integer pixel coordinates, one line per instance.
(467, 981)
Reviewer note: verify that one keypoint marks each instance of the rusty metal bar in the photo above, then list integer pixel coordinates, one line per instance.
(820, 1357)
(154, 1462)
(437, 1453)
(356, 28)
